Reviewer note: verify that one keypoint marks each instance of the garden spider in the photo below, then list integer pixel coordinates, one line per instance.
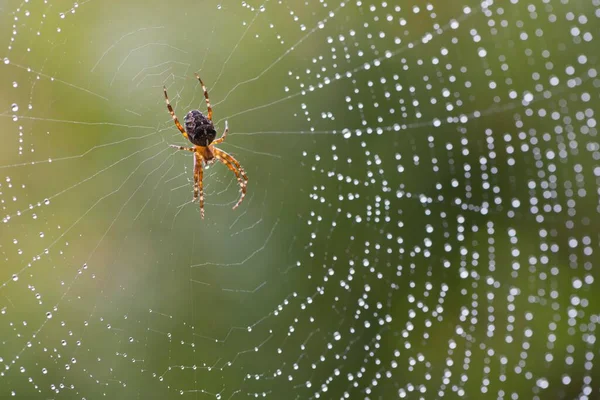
(200, 131)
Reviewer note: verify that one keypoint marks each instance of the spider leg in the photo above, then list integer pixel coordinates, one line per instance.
(235, 162)
(196, 163)
(182, 147)
(206, 97)
(173, 115)
(222, 138)
(199, 186)
(236, 168)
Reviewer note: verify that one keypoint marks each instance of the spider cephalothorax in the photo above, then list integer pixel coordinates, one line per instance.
(200, 131)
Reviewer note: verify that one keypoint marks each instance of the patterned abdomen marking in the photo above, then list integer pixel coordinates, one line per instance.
(200, 129)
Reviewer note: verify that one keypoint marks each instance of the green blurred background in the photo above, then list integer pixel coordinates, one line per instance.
(421, 212)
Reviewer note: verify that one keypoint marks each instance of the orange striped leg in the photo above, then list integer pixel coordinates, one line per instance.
(196, 164)
(206, 97)
(182, 148)
(222, 138)
(200, 187)
(177, 124)
(232, 163)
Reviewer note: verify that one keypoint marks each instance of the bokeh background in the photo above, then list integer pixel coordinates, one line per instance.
(422, 210)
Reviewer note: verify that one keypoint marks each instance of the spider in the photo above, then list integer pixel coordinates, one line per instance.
(200, 131)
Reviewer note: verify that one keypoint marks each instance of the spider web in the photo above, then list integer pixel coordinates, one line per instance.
(421, 218)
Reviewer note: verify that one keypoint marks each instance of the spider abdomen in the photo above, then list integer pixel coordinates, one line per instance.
(200, 129)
